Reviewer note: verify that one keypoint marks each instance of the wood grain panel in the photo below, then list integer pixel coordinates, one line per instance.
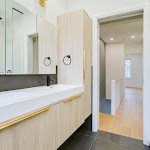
(128, 120)
(71, 110)
(36, 133)
(70, 42)
(75, 39)
(47, 46)
(87, 47)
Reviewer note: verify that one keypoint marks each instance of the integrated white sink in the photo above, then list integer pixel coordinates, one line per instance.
(18, 102)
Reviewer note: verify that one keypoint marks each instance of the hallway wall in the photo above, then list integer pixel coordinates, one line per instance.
(115, 65)
(136, 79)
(105, 105)
(133, 47)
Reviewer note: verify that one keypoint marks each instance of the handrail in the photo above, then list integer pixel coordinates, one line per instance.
(119, 81)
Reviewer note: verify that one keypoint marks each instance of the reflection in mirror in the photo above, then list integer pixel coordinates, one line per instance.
(2, 36)
(20, 40)
(30, 42)
(47, 46)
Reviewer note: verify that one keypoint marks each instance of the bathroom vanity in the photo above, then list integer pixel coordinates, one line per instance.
(44, 117)
(41, 117)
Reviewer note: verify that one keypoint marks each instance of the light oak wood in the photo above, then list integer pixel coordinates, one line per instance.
(35, 133)
(84, 64)
(75, 115)
(75, 39)
(70, 42)
(47, 130)
(128, 120)
(87, 47)
(71, 110)
(23, 118)
(47, 47)
(81, 110)
(61, 125)
(71, 98)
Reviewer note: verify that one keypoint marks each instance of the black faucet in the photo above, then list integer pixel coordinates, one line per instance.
(49, 79)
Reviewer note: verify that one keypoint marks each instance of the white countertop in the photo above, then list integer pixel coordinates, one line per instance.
(18, 102)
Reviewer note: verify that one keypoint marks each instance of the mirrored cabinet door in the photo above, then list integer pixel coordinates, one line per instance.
(27, 42)
(20, 39)
(2, 37)
(47, 46)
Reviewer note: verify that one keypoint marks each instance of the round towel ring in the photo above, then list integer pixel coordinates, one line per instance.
(47, 58)
(69, 57)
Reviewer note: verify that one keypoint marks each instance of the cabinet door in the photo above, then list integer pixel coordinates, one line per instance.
(35, 133)
(61, 132)
(71, 110)
(81, 110)
(74, 110)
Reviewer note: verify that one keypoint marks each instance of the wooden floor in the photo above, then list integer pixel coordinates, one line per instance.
(128, 120)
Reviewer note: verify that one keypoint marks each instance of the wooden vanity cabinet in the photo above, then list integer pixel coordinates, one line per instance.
(47, 130)
(35, 133)
(74, 110)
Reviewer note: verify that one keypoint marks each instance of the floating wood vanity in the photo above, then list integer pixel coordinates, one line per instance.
(52, 120)
(51, 116)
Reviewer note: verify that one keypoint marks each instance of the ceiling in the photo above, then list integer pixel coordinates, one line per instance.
(122, 30)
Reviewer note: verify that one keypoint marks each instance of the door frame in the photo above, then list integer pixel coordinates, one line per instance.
(146, 69)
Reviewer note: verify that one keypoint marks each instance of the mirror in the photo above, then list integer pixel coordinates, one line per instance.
(30, 42)
(2, 37)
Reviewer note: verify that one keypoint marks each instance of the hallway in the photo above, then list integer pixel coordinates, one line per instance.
(128, 120)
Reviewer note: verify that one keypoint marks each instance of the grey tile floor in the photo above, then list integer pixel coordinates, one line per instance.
(87, 140)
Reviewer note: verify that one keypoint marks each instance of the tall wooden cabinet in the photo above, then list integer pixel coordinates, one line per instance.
(74, 38)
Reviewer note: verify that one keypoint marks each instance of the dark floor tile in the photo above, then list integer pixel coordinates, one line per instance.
(107, 145)
(87, 132)
(77, 142)
(130, 142)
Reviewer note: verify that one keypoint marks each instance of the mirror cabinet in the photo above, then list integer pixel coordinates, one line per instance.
(27, 42)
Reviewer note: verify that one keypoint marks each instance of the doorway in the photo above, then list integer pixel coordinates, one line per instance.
(121, 76)
(146, 62)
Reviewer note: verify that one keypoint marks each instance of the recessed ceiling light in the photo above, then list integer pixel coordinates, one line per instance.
(111, 39)
(132, 37)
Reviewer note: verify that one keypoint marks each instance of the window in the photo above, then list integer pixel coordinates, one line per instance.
(128, 68)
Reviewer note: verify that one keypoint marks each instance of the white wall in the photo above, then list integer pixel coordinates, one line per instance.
(136, 79)
(134, 47)
(146, 74)
(115, 65)
(97, 7)
(52, 9)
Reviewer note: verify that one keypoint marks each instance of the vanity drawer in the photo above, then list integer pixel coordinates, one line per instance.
(74, 113)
